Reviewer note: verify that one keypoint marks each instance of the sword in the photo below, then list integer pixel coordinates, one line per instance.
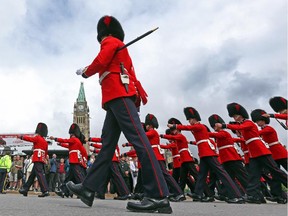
(136, 39)
(282, 124)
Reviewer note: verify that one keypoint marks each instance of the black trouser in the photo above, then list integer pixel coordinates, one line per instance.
(122, 116)
(37, 171)
(238, 172)
(118, 180)
(139, 187)
(212, 163)
(76, 174)
(172, 184)
(3, 173)
(282, 162)
(176, 174)
(256, 166)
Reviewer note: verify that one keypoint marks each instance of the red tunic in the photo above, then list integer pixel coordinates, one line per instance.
(205, 147)
(175, 153)
(283, 116)
(250, 133)
(83, 154)
(154, 140)
(182, 145)
(226, 147)
(116, 153)
(74, 147)
(269, 135)
(95, 139)
(106, 61)
(40, 148)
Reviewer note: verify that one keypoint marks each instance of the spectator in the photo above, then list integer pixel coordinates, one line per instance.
(53, 173)
(5, 165)
(125, 170)
(61, 172)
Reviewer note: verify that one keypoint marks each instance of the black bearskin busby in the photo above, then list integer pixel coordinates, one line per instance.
(168, 131)
(256, 115)
(151, 120)
(213, 119)
(191, 112)
(82, 138)
(75, 130)
(174, 121)
(237, 109)
(109, 25)
(42, 129)
(278, 103)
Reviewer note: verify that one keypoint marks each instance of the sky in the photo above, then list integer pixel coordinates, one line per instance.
(205, 54)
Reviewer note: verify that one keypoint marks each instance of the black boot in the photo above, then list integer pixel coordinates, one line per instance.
(178, 198)
(45, 194)
(85, 195)
(23, 191)
(151, 205)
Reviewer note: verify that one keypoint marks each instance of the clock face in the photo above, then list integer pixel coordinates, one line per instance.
(81, 107)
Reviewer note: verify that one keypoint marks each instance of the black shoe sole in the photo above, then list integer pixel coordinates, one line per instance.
(163, 210)
(85, 201)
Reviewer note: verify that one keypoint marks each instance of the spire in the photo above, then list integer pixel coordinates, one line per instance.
(81, 95)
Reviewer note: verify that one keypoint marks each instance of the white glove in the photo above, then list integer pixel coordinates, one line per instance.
(80, 71)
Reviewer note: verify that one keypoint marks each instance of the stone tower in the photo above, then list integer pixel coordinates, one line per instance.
(81, 114)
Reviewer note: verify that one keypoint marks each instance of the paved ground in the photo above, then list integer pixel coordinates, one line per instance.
(13, 204)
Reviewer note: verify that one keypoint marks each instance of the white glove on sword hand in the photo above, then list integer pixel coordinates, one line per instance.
(81, 71)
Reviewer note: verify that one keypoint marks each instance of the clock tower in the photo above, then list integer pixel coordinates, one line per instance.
(81, 114)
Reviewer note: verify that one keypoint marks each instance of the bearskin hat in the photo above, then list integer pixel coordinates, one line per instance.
(74, 129)
(82, 138)
(42, 129)
(168, 131)
(237, 109)
(213, 119)
(174, 121)
(151, 120)
(191, 112)
(278, 103)
(256, 115)
(109, 25)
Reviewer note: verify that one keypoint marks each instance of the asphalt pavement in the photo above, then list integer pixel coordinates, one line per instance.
(13, 204)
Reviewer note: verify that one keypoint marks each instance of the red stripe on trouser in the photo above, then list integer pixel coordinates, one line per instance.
(140, 138)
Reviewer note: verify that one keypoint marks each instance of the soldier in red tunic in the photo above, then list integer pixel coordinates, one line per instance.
(208, 157)
(40, 150)
(228, 153)
(269, 136)
(188, 167)
(151, 123)
(260, 155)
(119, 92)
(76, 154)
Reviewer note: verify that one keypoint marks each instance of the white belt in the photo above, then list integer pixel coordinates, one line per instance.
(227, 146)
(252, 139)
(154, 146)
(39, 152)
(76, 151)
(177, 155)
(201, 141)
(103, 76)
(183, 150)
(273, 143)
(73, 151)
(245, 152)
(208, 141)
